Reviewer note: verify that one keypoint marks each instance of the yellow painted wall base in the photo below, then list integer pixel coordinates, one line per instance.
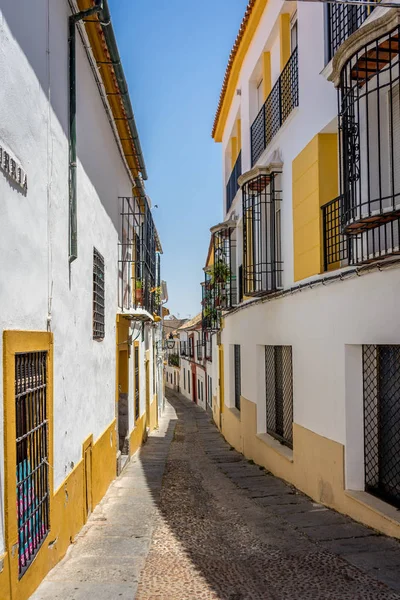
(67, 517)
(316, 465)
(153, 414)
(138, 435)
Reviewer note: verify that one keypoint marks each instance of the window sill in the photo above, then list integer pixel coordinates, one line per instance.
(279, 448)
(387, 511)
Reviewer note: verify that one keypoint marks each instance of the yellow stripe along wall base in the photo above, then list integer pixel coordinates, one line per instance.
(68, 502)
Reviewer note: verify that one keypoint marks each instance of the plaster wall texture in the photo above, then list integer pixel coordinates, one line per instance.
(36, 279)
(326, 330)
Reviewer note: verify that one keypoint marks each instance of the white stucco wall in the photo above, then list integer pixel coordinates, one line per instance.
(35, 276)
(327, 325)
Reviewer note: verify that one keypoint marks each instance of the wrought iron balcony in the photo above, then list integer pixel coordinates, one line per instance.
(139, 261)
(262, 257)
(341, 20)
(232, 185)
(220, 286)
(369, 122)
(341, 250)
(283, 98)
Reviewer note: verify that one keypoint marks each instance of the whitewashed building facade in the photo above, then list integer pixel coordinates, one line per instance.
(82, 371)
(302, 277)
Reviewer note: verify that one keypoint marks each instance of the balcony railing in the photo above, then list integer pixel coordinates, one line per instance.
(139, 266)
(283, 98)
(220, 286)
(233, 186)
(341, 250)
(174, 360)
(341, 21)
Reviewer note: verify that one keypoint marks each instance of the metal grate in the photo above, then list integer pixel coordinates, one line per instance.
(336, 245)
(341, 250)
(199, 346)
(381, 375)
(139, 260)
(191, 347)
(279, 393)
(208, 346)
(32, 455)
(369, 123)
(238, 376)
(282, 99)
(183, 348)
(98, 296)
(137, 384)
(342, 21)
(232, 185)
(262, 256)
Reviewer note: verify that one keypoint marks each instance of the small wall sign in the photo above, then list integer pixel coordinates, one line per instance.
(12, 169)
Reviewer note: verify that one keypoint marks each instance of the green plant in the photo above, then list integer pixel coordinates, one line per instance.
(220, 272)
(138, 284)
(157, 294)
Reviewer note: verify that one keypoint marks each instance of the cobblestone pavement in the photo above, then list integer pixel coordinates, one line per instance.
(109, 554)
(228, 530)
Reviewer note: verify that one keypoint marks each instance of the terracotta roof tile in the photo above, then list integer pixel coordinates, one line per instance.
(232, 56)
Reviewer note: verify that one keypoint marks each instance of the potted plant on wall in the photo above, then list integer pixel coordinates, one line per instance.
(138, 293)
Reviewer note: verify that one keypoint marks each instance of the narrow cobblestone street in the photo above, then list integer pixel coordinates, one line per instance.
(190, 518)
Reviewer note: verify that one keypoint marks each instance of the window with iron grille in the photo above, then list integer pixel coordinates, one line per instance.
(279, 393)
(262, 256)
(137, 384)
(184, 379)
(31, 413)
(381, 377)
(98, 296)
(238, 376)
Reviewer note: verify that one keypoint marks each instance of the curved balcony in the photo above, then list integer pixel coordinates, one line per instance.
(369, 123)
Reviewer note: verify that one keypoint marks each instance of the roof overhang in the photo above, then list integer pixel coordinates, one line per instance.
(248, 27)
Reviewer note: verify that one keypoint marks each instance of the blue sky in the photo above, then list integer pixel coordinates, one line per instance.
(174, 54)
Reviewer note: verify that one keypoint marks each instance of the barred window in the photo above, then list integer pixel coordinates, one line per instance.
(279, 393)
(137, 384)
(31, 415)
(98, 296)
(381, 386)
(238, 377)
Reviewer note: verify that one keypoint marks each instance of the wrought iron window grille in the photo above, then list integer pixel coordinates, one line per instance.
(199, 346)
(262, 253)
(238, 375)
(208, 346)
(139, 261)
(381, 385)
(283, 98)
(369, 124)
(98, 296)
(137, 384)
(342, 20)
(33, 491)
(220, 286)
(232, 185)
(279, 393)
(341, 250)
(183, 349)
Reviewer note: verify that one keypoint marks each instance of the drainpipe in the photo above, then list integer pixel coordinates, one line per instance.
(73, 225)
